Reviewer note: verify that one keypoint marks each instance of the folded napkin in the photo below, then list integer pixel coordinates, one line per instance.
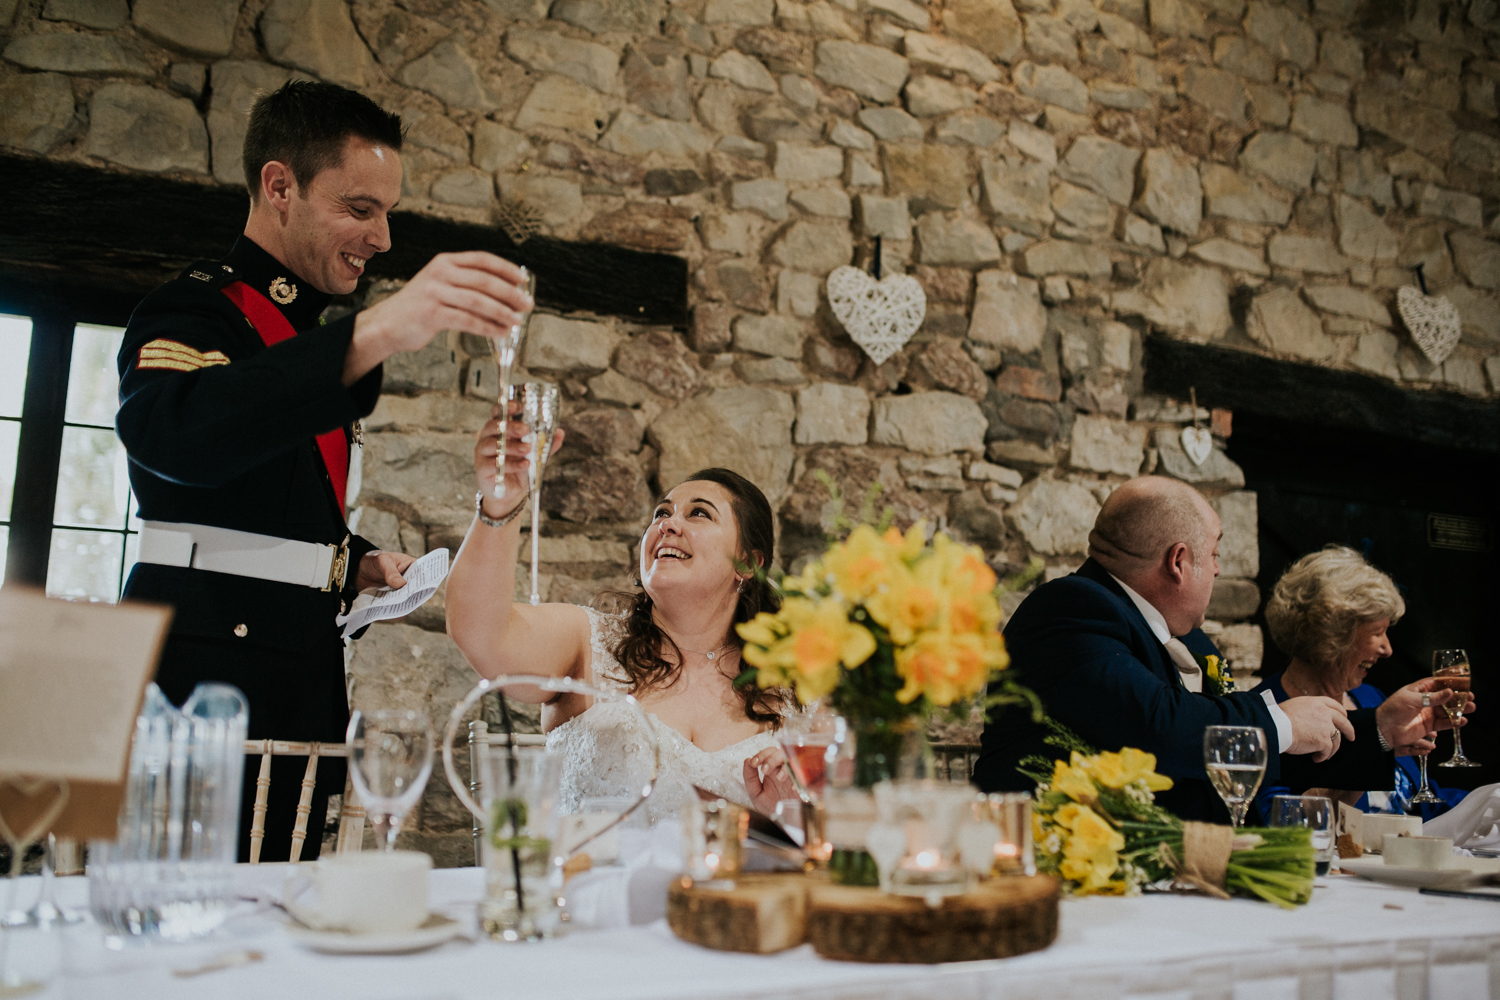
(1473, 823)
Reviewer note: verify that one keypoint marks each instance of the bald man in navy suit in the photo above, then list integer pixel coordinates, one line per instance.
(1115, 652)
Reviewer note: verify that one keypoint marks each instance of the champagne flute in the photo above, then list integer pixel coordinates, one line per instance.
(507, 349)
(390, 760)
(1235, 757)
(811, 740)
(1451, 668)
(540, 402)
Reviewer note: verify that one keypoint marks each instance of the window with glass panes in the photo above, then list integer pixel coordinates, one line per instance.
(90, 538)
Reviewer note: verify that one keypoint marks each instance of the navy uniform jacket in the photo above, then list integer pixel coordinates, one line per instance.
(1082, 645)
(220, 430)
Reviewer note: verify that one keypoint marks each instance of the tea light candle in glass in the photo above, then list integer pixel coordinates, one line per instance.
(1011, 814)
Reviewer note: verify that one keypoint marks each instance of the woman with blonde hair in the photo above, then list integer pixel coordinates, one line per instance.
(1330, 613)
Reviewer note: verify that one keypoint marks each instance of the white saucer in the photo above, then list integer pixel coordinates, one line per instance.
(434, 932)
(1465, 872)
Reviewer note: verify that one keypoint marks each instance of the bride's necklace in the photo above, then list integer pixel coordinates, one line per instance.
(709, 653)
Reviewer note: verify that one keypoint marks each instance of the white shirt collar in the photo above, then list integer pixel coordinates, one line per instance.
(1154, 618)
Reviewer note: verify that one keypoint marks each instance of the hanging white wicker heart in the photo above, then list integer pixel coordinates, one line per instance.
(880, 316)
(1198, 443)
(1433, 322)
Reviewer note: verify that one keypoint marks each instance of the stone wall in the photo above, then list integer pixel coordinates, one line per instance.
(1061, 176)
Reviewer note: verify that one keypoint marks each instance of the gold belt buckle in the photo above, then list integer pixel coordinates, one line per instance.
(340, 568)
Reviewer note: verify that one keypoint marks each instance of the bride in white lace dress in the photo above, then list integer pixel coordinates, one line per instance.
(674, 649)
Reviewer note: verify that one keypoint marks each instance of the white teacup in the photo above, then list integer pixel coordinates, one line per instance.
(370, 892)
(1375, 826)
(1429, 853)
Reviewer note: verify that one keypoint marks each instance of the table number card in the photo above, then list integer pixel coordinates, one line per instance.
(72, 676)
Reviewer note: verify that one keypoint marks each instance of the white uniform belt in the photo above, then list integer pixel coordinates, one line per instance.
(244, 553)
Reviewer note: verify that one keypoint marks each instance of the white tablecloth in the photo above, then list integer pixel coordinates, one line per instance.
(1355, 940)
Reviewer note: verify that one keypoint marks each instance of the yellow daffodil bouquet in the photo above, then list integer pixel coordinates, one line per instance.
(1097, 826)
(887, 628)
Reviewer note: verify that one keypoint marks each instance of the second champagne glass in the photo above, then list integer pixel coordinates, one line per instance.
(540, 402)
(1235, 757)
(1451, 668)
(811, 739)
(390, 760)
(507, 350)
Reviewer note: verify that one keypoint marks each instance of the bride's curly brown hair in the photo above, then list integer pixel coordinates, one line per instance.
(639, 650)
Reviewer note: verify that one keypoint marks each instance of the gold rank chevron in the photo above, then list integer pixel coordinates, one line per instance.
(177, 357)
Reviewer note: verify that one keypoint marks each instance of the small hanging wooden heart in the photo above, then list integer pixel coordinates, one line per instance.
(1433, 322)
(1198, 443)
(880, 316)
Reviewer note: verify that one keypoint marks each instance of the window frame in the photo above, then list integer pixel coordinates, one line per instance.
(55, 308)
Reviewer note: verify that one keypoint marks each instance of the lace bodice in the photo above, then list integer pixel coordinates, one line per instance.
(604, 754)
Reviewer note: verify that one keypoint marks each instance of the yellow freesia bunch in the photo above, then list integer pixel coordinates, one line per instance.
(929, 609)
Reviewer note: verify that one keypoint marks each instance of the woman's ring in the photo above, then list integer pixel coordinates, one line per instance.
(1426, 701)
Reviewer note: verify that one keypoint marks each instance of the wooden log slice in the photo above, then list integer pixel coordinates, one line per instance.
(1001, 917)
(758, 914)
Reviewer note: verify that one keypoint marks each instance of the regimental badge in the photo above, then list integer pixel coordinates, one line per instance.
(359, 433)
(283, 292)
(200, 276)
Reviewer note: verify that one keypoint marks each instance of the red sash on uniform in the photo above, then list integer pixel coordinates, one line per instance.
(273, 328)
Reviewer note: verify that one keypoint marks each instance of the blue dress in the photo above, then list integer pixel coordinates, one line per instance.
(1408, 772)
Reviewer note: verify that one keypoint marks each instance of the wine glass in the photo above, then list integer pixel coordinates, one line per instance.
(1235, 757)
(1451, 668)
(1315, 812)
(811, 740)
(540, 402)
(390, 759)
(507, 349)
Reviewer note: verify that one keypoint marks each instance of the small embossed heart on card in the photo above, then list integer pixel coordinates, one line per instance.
(1198, 443)
(880, 316)
(1433, 321)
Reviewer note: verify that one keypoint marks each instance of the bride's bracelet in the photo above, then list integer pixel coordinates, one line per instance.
(490, 522)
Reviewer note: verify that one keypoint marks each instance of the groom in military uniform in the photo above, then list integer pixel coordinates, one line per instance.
(238, 408)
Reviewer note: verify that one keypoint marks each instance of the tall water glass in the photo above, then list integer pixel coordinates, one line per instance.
(167, 873)
(540, 409)
(390, 760)
(520, 792)
(1315, 812)
(1235, 758)
(1451, 668)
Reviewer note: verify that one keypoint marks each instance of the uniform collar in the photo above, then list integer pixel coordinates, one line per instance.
(261, 271)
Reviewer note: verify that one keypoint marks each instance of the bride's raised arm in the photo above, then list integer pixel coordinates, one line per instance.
(496, 634)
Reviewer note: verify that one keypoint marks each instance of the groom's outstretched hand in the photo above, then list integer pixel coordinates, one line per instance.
(767, 780)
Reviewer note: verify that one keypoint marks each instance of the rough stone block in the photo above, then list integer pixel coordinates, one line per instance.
(104, 15)
(1039, 144)
(146, 129)
(1222, 93)
(748, 12)
(1054, 516)
(236, 85)
(883, 216)
(558, 344)
(1362, 233)
(658, 359)
(1324, 121)
(868, 70)
(1232, 195)
(1342, 300)
(989, 472)
(745, 428)
(956, 241)
(1306, 253)
(1019, 195)
(829, 413)
(635, 134)
(852, 136)
(1242, 57)
(1233, 599)
(743, 71)
(1478, 259)
(1237, 256)
(1101, 444)
(992, 26)
(1064, 257)
(1052, 85)
(596, 16)
(318, 36)
(68, 52)
(934, 423)
(1279, 320)
(814, 247)
(890, 124)
(1284, 33)
(471, 188)
(932, 173)
(551, 52)
(1101, 165)
(1029, 383)
(1377, 352)
(655, 75)
(1465, 209)
(929, 96)
(449, 74)
(1184, 300)
(934, 52)
(38, 110)
(1285, 159)
(202, 27)
(1427, 130)
(968, 128)
(765, 195)
(1239, 550)
(1082, 208)
(780, 336)
(1008, 312)
(951, 367)
(796, 162)
(769, 371)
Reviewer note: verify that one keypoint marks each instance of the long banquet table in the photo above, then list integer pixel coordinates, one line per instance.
(1355, 939)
